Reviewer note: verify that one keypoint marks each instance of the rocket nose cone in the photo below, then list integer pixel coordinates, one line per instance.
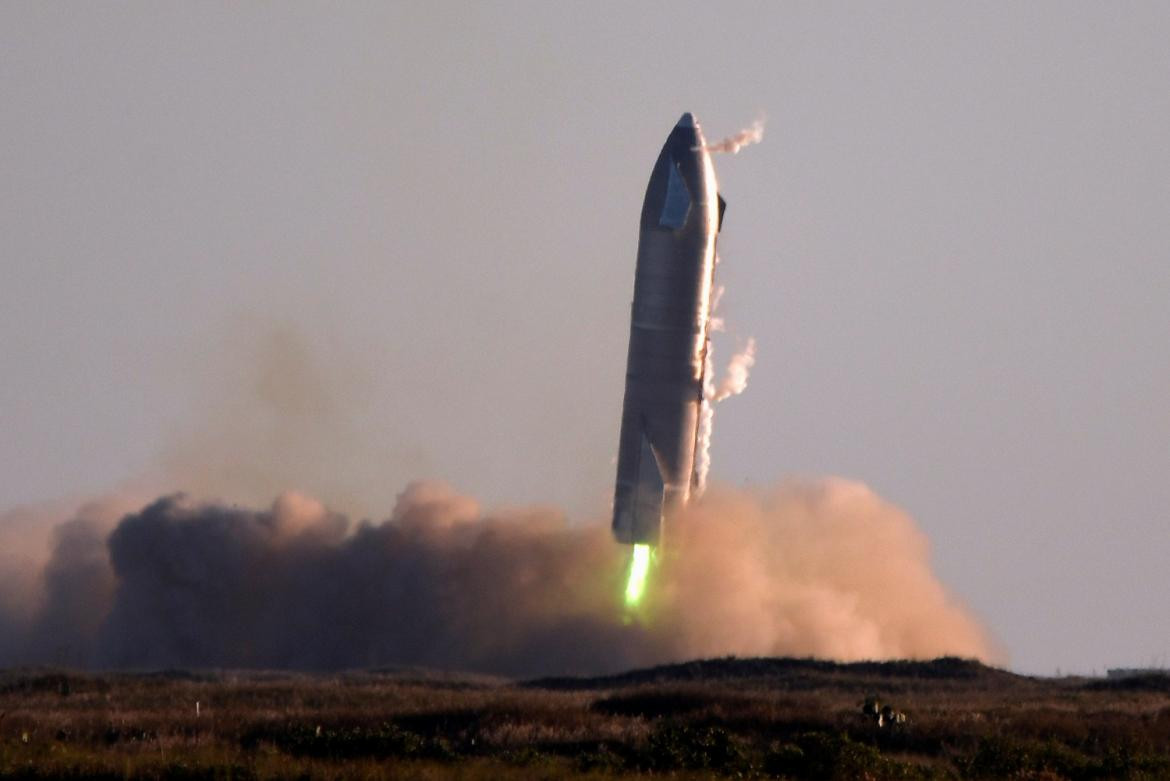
(688, 129)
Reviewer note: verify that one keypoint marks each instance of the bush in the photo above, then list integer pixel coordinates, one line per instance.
(673, 747)
(1001, 757)
(818, 755)
(385, 740)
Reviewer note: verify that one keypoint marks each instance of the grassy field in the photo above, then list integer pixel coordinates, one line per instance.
(741, 718)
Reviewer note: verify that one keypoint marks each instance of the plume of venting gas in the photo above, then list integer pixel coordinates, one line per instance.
(820, 568)
(715, 324)
(741, 363)
(753, 134)
(706, 423)
(734, 382)
(735, 378)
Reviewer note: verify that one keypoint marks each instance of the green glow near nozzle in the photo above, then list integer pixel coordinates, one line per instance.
(639, 569)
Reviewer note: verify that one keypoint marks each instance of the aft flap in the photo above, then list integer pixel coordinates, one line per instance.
(648, 495)
(722, 208)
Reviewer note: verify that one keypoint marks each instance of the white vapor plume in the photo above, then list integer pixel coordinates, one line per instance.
(706, 421)
(741, 363)
(706, 410)
(715, 324)
(738, 369)
(753, 134)
(734, 383)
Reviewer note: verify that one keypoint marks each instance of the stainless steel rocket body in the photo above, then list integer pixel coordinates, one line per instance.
(669, 325)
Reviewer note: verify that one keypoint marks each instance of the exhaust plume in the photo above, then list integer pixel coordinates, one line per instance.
(753, 134)
(822, 568)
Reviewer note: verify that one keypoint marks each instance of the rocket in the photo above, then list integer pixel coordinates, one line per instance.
(669, 324)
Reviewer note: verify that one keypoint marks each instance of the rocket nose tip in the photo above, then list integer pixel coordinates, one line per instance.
(687, 120)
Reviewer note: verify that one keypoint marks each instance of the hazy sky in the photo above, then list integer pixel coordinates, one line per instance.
(336, 247)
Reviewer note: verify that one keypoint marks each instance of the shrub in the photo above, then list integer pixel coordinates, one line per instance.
(673, 747)
(819, 755)
(385, 740)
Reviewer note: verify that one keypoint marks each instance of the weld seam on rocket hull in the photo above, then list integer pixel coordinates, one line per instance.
(644, 326)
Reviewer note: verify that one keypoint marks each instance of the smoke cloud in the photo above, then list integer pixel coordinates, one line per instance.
(753, 134)
(822, 568)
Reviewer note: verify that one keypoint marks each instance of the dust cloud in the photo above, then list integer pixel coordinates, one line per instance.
(276, 408)
(817, 568)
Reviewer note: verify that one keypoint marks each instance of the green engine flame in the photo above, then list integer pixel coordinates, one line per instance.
(639, 569)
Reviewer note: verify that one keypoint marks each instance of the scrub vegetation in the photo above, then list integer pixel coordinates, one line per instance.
(739, 718)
